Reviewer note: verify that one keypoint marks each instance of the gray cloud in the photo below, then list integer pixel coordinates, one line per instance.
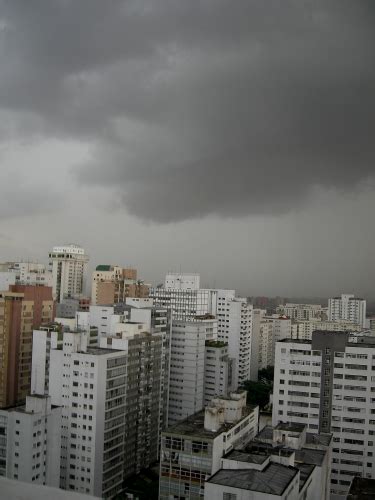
(216, 107)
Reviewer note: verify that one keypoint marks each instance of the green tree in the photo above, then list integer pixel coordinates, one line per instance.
(258, 393)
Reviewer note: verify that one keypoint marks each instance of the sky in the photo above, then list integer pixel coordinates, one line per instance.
(233, 139)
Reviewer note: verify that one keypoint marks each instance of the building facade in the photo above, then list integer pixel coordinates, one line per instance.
(348, 308)
(284, 462)
(113, 284)
(68, 265)
(234, 316)
(191, 450)
(30, 441)
(22, 309)
(328, 385)
(187, 366)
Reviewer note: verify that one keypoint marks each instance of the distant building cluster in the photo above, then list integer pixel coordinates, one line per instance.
(100, 383)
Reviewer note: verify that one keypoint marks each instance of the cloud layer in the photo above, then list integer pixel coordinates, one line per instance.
(197, 108)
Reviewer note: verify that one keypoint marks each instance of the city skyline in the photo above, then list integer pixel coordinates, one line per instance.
(166, 137)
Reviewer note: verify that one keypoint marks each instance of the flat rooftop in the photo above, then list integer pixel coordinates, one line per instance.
(291, 427)
(194, 425)
(273, 480)
(247, 457)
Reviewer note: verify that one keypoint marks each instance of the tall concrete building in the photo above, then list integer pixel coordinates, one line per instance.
(219, 371)
(192, 450)
(89, 383)
(234, 317)
(112, 398)
(144, 397)
(22, 309)
(30, 441)
(187, 366)
(113, 284)
(183, 297)
(68, 265)
(303, 312)
(349, 308)
(303, 330)
(188, 303)
(328, 385)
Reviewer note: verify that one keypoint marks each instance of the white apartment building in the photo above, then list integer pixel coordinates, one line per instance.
(144, 415)
(328, 384)
(303, 329)
(187, 366)
(182, 296)
(7, 278)
(219, 371)
(89, 383)
(68, 265)
(234, 316)
(30, 440)
(44, 340)
(182, 281)
(266, 355)
(349, 308)
(302, 312)
(191, 450)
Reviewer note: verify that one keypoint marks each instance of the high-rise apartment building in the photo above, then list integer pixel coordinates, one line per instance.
(303, 329)
(219, 371)
(89, 383)
(144, 397)
(303, 312)
(113, 400)
(22, 309)
(68, 265)
(187, 366)
(234, 316)
(192, 450)
(349, 308)
(30, 442)
(182, 281)
(183, 297)
(328, 384)
(113, 284)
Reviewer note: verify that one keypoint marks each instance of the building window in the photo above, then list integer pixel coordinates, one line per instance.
(229, 496)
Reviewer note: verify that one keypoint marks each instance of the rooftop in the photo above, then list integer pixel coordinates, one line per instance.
(103, 267)
(274, 479)
(289, 426)
(247, 457)
(194, 425)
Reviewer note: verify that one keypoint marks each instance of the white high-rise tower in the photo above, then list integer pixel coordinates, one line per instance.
(68, 265)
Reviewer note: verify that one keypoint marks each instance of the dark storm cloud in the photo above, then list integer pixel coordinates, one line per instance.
(194, 108)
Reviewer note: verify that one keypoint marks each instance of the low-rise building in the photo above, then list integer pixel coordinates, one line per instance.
(284, 462)
(191, 450)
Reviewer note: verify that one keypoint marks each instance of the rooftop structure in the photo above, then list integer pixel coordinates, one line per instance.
(191, 450)
(281, 462)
